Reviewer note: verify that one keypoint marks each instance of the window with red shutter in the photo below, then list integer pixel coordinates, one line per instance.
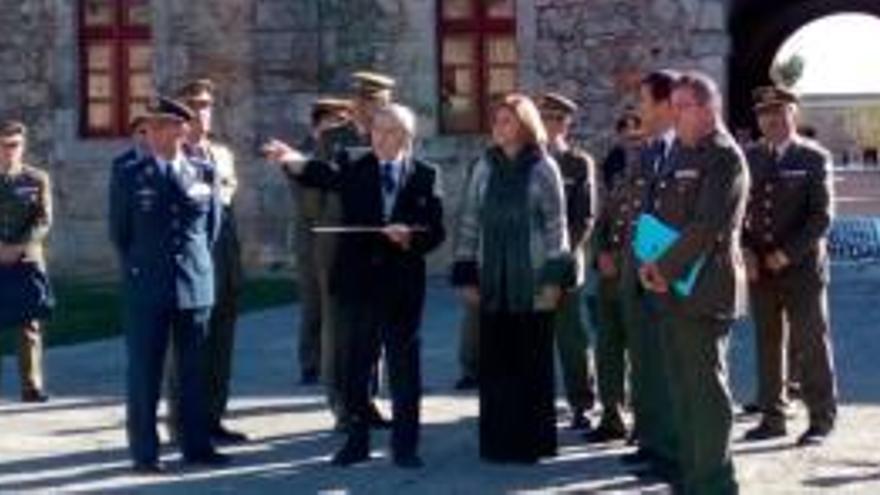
(116, 64)
(478, 60)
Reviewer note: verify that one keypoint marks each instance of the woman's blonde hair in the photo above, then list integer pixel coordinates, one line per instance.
(528, 116)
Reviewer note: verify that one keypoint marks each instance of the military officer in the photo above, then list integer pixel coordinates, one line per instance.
(701, 192)
(785, 236)
(327, 113)
(578, 174)
(610, 245)
(654, 430)
(25, 219)
(164, 219)
(219, 342)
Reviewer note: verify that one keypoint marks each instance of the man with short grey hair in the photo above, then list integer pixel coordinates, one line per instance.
(392, 216)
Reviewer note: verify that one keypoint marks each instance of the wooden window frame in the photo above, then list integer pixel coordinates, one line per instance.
(120, 36)
(482, 27)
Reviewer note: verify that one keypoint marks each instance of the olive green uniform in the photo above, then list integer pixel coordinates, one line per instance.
(790, 210)
(572, 339)
(25, 219)
(701, 192)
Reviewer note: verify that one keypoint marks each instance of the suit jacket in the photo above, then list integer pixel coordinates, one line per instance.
(790, 206)
(702, 192)
(368, 262)
(163, 228)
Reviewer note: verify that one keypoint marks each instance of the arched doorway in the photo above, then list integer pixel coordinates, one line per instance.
(758, 29)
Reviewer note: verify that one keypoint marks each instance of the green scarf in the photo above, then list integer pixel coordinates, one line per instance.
(507, 278)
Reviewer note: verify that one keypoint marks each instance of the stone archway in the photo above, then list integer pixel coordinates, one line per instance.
(758, 28)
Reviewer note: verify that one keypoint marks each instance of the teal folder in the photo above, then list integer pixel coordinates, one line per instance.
(653, 238)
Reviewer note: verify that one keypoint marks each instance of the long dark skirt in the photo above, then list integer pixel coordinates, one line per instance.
(517, 414)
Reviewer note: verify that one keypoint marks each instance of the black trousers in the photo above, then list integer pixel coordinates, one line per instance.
(388, 319)
(517, 415)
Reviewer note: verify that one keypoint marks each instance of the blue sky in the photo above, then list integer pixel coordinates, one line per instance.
(842, 54)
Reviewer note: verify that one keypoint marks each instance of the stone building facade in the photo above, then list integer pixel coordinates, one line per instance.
(271, 58)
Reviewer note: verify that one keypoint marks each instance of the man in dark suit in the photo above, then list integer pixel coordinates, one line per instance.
(164, 218)
(392, 217)
(701, 192)
(785, 234)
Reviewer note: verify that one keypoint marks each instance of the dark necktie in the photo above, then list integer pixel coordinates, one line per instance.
(389, 182)
(660, 161)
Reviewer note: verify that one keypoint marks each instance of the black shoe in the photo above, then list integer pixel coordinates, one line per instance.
(640, 456)
(352, 452)
(411, 461)
(814, 436)
(375, 419)
(750, 409)
(604, 434)
(149, 468)
(466, 383)
(579, 420)
(309, 377)
(34, 396)
(765, 431)
(211, 458)
(221, 434)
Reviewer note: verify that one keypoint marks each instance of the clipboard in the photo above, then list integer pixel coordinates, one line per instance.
(653, 238)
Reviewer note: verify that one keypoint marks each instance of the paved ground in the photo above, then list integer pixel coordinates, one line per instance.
(76, 442)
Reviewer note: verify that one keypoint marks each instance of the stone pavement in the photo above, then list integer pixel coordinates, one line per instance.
(76, 442)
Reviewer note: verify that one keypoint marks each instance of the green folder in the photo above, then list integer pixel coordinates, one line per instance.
(652, 239)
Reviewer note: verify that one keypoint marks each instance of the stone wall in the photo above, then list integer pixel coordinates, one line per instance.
(596, 50)
(271, 58)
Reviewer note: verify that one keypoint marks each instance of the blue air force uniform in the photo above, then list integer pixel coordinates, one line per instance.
(164, 219)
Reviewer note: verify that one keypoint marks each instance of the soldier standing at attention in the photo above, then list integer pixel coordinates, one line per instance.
(219, 343)
(785, 237)
(326, 114)
(25, 218)
(701, 193)
(164, 220)
(578, 176)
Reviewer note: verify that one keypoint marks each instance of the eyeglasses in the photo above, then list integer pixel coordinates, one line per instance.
(10, 145)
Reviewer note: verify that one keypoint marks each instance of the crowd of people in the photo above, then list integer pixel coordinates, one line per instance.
(541, 232)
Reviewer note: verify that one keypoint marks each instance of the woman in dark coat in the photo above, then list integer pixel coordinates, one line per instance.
(511, 260)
